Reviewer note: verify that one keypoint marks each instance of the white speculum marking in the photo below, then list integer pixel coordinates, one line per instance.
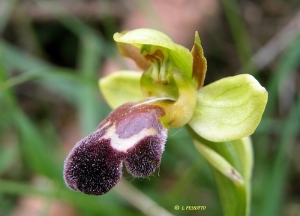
(123, 144)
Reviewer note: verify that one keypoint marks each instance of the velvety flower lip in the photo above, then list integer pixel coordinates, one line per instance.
(93, 166)
(132, 133)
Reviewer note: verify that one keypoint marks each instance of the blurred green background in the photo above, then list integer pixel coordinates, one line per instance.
(52, 54)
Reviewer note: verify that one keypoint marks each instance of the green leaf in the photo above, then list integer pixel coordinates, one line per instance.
(121, 87)
(151, 40)
(87, 103)
(229, 109)
(219, 163)
(232, 196)
(231, 164)
(245, 152)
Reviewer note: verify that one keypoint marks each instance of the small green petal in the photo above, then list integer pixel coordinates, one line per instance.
(199, 62)
(229, 109)
(121, 87)
(150, 40)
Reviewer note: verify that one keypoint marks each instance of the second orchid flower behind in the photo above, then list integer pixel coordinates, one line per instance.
(168, 93)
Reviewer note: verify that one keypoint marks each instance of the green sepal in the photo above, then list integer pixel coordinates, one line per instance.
(121, 87)
(149, 40)
(229, 109)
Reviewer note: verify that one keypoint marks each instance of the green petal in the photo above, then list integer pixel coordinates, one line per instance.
(199, 62)
(149, 39)
(229, 109)
(121, 87)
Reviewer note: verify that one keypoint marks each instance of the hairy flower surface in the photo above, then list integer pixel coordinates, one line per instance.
(132, 134)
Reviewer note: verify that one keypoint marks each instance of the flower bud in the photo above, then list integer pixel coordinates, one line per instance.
(132, 133)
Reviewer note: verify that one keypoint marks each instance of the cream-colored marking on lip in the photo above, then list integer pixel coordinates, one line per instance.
(126, 143)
